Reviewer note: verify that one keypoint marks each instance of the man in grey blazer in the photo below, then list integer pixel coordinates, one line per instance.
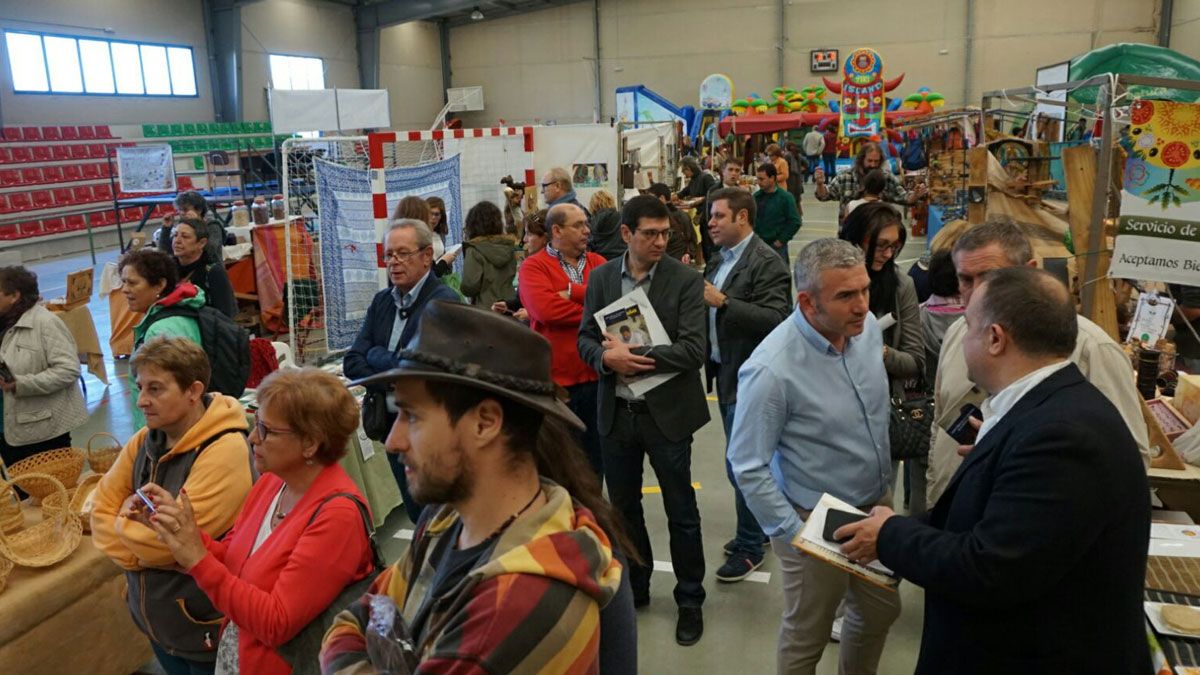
(659, 424)
(746, 288)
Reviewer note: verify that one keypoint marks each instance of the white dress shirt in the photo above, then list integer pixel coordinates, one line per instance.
(997, 406)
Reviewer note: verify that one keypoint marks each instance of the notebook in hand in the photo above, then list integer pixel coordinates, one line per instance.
(811, 541)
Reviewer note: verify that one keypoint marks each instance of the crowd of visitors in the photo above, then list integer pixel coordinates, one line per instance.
(508, 409)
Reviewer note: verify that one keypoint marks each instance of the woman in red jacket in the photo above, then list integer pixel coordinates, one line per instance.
(274, 572)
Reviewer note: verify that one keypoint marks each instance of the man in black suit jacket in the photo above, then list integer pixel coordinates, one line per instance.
(660, 423)
(1034, 560)
(408, 254)
(746, 289)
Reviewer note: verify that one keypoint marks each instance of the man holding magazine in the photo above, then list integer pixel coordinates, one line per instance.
(811, 418)
(636, 421)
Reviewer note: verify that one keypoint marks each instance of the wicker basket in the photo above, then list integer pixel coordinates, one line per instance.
(6, 567)
(11, 518)
(102, 460)
(49, 541)
(77, 498)
(64, 464)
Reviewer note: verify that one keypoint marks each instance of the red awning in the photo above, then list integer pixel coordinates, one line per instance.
(769, 124)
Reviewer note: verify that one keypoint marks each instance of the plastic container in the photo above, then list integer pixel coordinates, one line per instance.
(278, 208)
(260, 212)
(241, 214)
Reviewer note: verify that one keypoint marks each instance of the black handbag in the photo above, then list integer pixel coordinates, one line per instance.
(910, 424)
(375, 418)
(302, 651)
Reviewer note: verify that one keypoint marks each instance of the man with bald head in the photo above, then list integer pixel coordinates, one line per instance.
(1044, 527)
(552, 284)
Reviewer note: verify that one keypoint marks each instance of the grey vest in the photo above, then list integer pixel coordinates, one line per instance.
(168, 606)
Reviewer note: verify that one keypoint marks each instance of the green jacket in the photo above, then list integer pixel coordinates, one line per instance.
(489, 265)
(184, 295)
(777, 219)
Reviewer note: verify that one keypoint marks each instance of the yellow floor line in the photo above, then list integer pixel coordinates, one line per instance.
(654, 489)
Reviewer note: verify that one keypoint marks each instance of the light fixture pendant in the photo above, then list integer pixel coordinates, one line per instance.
(476, 15)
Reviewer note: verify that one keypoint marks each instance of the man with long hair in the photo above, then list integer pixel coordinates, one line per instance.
(512, 562)
(847, 185)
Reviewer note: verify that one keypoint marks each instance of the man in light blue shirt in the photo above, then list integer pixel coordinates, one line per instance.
(812, 418)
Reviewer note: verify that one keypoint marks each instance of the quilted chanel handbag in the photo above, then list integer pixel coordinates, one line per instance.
(910, 423)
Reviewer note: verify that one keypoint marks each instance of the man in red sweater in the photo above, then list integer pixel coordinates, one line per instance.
(552, 284)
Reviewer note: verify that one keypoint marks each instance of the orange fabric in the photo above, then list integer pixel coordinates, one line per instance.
(270, 268)
(121, 321)
(241, 275)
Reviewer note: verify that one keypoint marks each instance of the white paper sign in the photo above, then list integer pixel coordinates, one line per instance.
(146, 168)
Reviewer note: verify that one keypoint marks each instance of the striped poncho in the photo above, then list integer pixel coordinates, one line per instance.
(531, 606)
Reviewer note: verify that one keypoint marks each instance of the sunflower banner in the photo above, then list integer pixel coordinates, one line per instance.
(1158, 232)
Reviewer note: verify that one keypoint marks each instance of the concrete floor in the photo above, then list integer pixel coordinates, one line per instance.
(741, 619)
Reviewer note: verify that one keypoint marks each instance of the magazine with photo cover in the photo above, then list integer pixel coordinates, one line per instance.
(631, 319)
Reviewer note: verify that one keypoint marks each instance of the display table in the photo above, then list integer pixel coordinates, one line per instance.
(83, 328)
(69, 618)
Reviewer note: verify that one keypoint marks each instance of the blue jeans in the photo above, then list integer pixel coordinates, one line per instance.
(175, 665)
(635, 436)
(749, 537)
(813, 162)
(584, 404)
(830, 165)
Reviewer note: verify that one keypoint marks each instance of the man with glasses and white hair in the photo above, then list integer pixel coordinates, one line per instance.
(557, 188)
(811, 418)
(658, 423)
(393, 317)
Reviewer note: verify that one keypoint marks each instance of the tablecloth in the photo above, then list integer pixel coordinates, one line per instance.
(69, 618)
(83, 328)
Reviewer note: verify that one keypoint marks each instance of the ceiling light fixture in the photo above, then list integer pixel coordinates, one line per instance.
(477, 15)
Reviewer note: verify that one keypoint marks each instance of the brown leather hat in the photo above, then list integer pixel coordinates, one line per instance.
(482, 349)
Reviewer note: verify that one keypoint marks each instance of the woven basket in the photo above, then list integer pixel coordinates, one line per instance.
(64, 464)
(11, 518)
(6, 567)
(52, 504)
(49, 541)
(102, 460)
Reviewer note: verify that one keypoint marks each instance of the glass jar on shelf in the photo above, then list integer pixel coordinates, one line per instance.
(241, 214)
(278, 208)
(260, 211)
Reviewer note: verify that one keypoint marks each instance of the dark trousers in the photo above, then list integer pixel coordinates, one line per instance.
(634, 436)
(15, 453)
(174, 665)
(11, 454)
(583, 403)
(830, 166)
(748, 537)
(411, 507)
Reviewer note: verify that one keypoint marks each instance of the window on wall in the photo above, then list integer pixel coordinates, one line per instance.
(60, 64)
(297, 72)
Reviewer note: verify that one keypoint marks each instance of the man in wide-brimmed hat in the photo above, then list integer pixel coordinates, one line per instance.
(511, 563)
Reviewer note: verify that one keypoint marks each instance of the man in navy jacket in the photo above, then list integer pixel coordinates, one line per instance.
(394, 316)
(1034, 559)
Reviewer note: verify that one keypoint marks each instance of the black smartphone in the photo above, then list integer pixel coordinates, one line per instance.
(5, 374)
(835, 520)
(960, 429)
